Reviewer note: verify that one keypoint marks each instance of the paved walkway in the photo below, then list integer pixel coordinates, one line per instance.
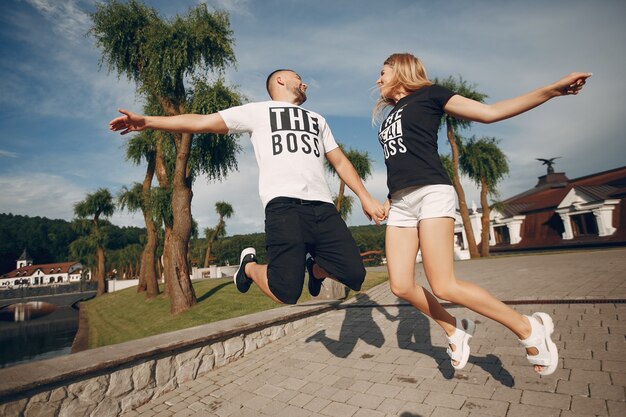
(379, 357)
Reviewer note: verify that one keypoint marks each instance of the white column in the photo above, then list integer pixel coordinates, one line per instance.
(477, 226)
(515, 231)
(604, 219)
(492, 235)
(568, 233)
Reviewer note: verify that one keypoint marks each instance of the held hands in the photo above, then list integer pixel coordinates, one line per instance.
(570, 84)
(129, 122)
(373, 210)
(387, 207)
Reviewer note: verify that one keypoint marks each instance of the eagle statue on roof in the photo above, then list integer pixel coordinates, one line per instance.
(549, 162)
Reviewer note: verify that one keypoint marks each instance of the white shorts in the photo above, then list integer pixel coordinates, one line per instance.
(410, 205)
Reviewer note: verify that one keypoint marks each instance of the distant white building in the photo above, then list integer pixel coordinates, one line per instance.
(44, 274)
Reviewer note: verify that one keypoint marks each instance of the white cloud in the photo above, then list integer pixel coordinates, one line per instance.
(7, 154)
(235, 7)
(39, 194)
(66, 18)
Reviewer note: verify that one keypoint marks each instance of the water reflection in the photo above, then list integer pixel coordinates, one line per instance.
(49, 332)
(26, 311)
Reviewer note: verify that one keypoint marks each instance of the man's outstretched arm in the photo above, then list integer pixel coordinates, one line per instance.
(183, 123)
(371, 207)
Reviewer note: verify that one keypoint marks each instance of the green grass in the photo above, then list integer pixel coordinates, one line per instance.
(126, 315)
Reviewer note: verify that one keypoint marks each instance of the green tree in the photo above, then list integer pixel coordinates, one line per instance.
(224, 211)
(163, 57)
(363, 166)
(485, 164)
(463, 88)
(135, 199)
(144, 146)
(91, 209)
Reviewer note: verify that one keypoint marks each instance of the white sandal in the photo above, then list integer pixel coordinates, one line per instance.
(548, 355)
(460, 339)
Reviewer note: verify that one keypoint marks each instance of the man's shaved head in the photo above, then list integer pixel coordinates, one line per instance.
(272, 76)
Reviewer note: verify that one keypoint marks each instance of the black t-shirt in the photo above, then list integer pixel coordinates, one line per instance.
(409, 139)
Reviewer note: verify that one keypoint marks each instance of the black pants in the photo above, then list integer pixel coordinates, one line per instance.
(294, 227)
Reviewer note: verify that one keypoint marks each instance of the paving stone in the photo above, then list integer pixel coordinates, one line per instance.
(439, 386)
(382, 390)
(572, 414)
(301, 399)
(362, 412)
(584, 364)
(573, 388)
(524, 410)
(291, 411)
(448, 412)
(614, 366)
(483, 406)
(412, 394)
(473, 390)
(507, 394)
(440, 399)
(335, 409)
(369, 401)
(591, 377)
(618, 378)
(316, 404)
(544, 399)
(589, 406)
(607, 392)
(616, 408)
(411, 409)
(391, 406)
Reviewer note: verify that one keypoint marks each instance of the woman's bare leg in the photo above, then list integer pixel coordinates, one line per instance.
(402, 244)
(437, 244)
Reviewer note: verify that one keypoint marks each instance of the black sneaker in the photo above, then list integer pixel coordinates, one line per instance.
(315, 285)
(241, 279)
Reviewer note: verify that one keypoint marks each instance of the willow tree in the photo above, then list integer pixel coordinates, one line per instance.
(485, 164)
(148, 146)
(224, 211)
(171, 60)
(453, 125)
(89, 218)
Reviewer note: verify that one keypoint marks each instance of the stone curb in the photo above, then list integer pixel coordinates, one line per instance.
(25, 380)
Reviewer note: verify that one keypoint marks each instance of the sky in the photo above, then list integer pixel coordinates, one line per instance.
(56, 100)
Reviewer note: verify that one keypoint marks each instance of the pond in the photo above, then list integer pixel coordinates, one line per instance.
(35, 330)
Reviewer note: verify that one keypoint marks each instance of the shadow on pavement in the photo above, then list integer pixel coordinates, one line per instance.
(414, 334)
(357, 324)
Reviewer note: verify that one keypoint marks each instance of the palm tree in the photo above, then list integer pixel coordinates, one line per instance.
(363, 166)
(162, 56)
(138, 198)
(484, 162)
(93, 207)
(453, 124)
(224, 211)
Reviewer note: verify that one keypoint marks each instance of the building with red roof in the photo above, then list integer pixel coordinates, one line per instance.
(43, 274)
(559, 212)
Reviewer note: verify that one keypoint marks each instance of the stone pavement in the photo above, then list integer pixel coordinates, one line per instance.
(376, 356)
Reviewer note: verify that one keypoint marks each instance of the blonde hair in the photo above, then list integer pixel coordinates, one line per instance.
(409, 76)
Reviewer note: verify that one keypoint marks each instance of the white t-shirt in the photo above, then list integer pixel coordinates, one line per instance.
(290, 144)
